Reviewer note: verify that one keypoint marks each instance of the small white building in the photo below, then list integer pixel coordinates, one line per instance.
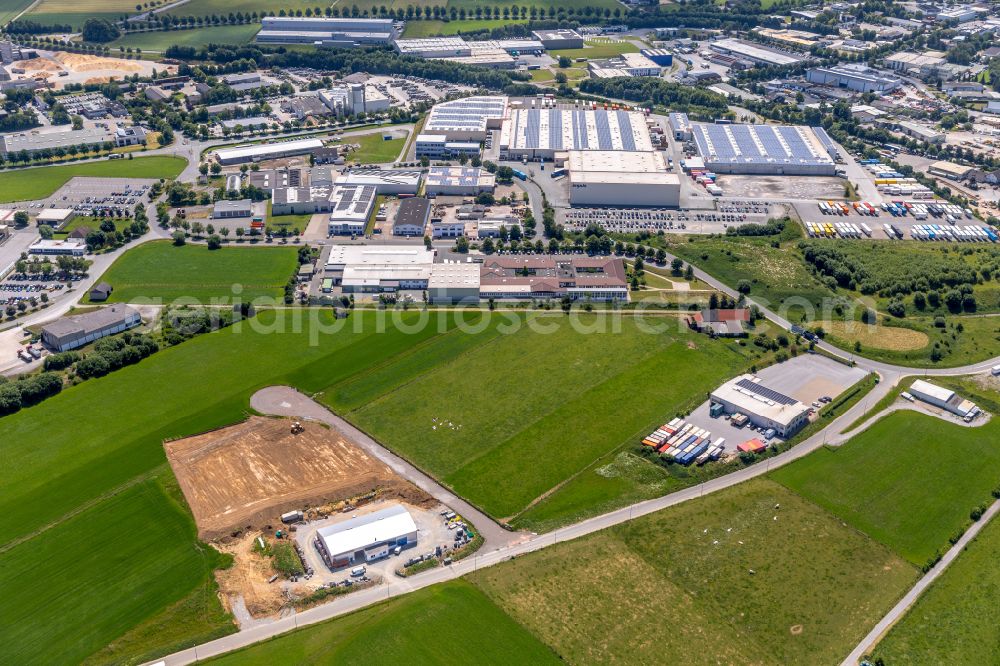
(55, 217)
(764, 406)
(458, 181)
(74, 247)
(228, 210)
(366, 538)
(944, 398)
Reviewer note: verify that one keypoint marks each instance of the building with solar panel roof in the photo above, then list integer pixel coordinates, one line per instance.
(541, 133)
(765, 407)
(351, 206)
(467, 119)
(458, 181)
(765, 149)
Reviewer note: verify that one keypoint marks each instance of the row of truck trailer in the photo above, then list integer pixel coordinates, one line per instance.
(972, 233)
(919, 210)
(685, 442)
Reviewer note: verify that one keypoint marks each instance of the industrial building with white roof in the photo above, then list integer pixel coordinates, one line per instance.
(467, 119)
(461, 181)
(765, 149)
(366, 538)
(350, 208)
(541, 133)
(333, 32)
(621, 178)
(266, 151)
(765, 407)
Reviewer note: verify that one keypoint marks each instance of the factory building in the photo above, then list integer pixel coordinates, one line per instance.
(918, 131)
(765, 149)
(353, 98)
(79, 330)
(541, 133)
(621, 178)
(32, 142)
(662, 57)
(944, 398)
(765, 407)
(350, 208)
(627, 64)
(366, 538)
(856, 77)
(411, 217)
(433, 47)
(755, 53)
(266, 151)
(300, 200)
(529, 277)
(380, 268)
(327, 32)
(458, 181)
(438, 147)
(230, 210)
(919, 64)
(385, 181)
(468, 119)
(560, 38)
(454, 282)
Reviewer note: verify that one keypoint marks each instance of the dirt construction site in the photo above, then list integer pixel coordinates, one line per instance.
(243, 477)
(60, 68)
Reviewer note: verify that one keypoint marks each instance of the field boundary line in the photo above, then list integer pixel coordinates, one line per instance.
(900, 610)
(145, 476)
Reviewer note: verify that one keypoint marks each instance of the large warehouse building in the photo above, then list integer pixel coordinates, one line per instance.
(78, 330)
(366, 538)
(466, 119)
(854, 76)
(943, 398)
(621, 178)
(765, 149)
(765, 407)
(331, 32)
(267, 151)
(541, 133)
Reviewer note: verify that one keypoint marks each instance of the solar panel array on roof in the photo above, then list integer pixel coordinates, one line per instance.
(766, 392)
(789, 149)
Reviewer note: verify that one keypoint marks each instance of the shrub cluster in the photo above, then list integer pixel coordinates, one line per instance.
(29, 391)
(110, 354)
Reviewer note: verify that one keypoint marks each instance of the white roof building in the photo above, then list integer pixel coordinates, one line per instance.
(626, 178)
(764, 406)
(351, 206)
(534, 133)
(366, 537)
(942, 397)
(458, 180)
(467, 119)
(55, 216)
(267, 151)
(385, 181)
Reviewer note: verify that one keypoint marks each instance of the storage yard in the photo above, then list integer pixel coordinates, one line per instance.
(249, 474)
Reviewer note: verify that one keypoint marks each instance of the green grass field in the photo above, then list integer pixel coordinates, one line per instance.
(677, 587)
(209, 7)
(93, 595)
(374, 149)
(74, 19)
(544, 403)
(909, 481)
(955, 621)
(38, 183)
(67, 457)
(163, 272)
(595, 49)
(92, 223)
(11, 8)
(436, 625)
(160, 40)
(417, 29)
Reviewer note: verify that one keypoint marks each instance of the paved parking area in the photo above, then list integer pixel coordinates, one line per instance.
(92, 196)
(806, 378)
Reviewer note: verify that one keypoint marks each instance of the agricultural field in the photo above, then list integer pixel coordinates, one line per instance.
(545, 403)
(163, 272)
(432, 28)
(76, 601)
(429, 626)
(720, 571)
(73, 13)
(11, 8)
(878, 481)
(40, 182)
(160, 40)
(68, 456)
(878, 336)
(953, 622)
(209, 7)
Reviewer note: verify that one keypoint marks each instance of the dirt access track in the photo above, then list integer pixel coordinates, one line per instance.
(246, 475)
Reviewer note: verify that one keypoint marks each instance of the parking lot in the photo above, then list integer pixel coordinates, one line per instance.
(432, 532)
(807, 378)
(100, 197)
(654, 220)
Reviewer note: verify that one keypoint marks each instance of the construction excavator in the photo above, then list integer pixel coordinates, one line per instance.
(297, 427)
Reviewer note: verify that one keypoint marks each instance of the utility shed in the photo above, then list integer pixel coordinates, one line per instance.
(366, 538)
(78, 330)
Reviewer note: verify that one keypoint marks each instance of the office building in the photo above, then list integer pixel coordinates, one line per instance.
(350, 209)
(438, 147)
(543, 277)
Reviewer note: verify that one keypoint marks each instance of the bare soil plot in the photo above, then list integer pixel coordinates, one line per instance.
(247, 475)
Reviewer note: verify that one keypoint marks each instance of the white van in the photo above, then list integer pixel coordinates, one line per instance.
(995, 370)
(357, 572)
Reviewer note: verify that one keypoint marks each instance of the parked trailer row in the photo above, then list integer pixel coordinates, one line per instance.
(837, 230)
(839, 208)
(685, 442)
(967, 233)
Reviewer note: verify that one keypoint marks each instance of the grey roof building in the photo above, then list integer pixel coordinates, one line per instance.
(35, 141)
(78, 330)
(412, 216)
